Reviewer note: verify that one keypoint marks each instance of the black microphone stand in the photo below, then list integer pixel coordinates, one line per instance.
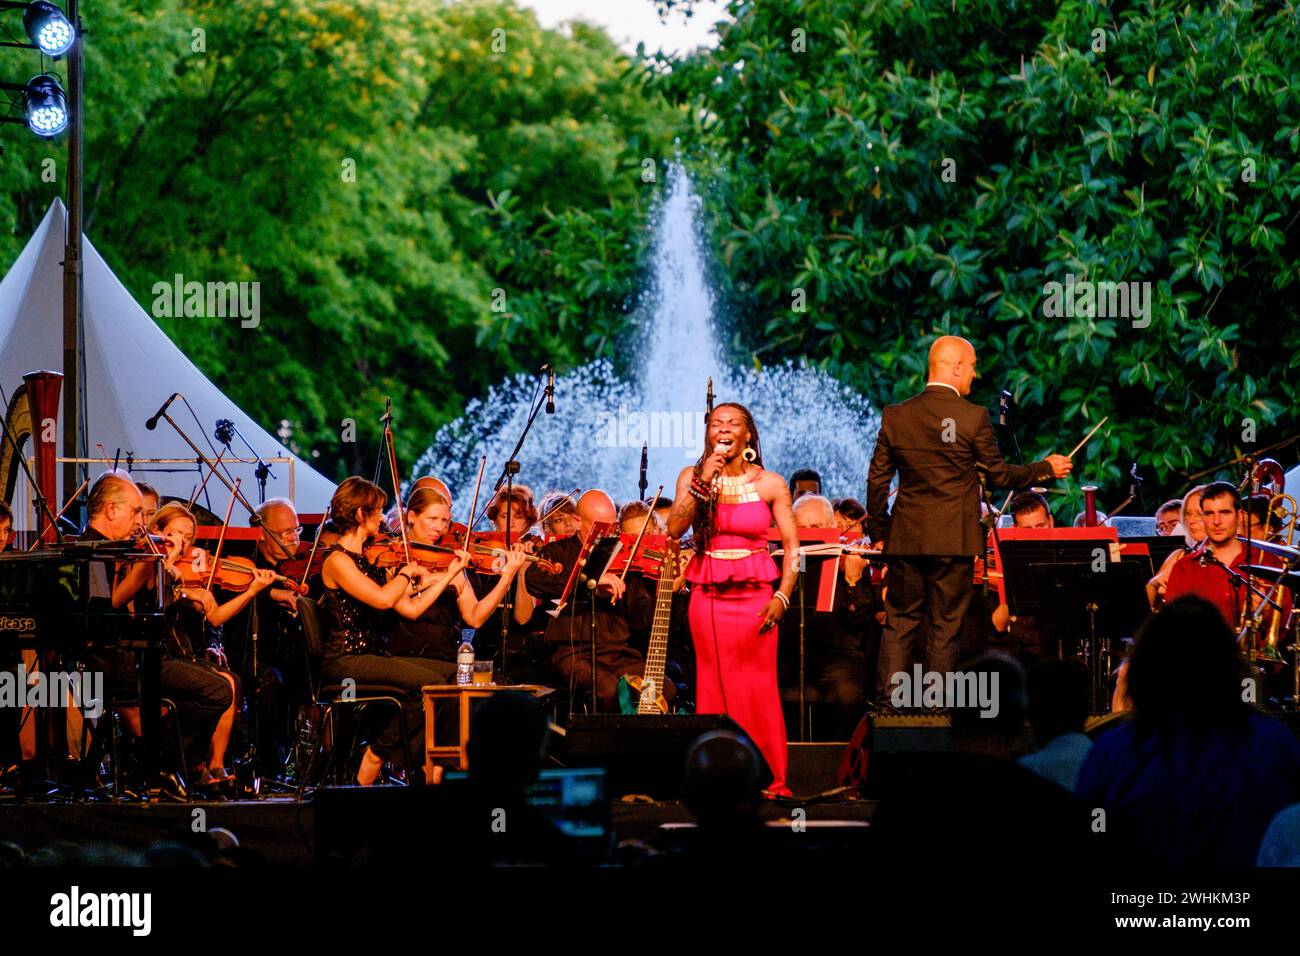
(1134, 494)
(253, 518)
(226, 429)
(508, 599)
(643, 483)
(1004, 415)
(508, 471)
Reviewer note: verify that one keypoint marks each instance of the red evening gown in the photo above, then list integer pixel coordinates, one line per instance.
(735, 662)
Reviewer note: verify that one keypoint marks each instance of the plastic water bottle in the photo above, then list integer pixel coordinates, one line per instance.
(465, 662)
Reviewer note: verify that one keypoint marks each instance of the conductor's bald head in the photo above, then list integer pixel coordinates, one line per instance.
(952, 361)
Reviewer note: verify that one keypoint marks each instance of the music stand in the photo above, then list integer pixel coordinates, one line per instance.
(820, 545)
(1055, 574)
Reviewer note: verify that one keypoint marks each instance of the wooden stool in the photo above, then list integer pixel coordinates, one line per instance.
(437, 696)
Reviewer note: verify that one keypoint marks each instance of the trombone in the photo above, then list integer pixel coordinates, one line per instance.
(1282, 508)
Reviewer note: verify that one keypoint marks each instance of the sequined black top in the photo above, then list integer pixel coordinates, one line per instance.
(355, 627)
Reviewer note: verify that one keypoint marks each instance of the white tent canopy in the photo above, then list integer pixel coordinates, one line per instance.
(131, 367)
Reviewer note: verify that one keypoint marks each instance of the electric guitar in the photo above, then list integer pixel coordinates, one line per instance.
(645, 694)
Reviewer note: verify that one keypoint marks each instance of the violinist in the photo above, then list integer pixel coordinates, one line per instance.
(151, 499)
(630, 519)
(115, 513)
(515, 523)
(569, 633)
(519, 518)
(281, 681)
(195, 672)
(850, 518)
(561, 515)
(661, 506)
(436, 633)
(632, 514)
(358, 593)
(278, 541)
(391, 523)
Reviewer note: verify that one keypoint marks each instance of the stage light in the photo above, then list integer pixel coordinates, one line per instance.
(45, 106)
(48, 28)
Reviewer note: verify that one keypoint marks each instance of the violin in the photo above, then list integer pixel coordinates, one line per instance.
(646, 560)
(297, 567)
(489, 549)
(390, 553)
(232, 573)
(386, 552)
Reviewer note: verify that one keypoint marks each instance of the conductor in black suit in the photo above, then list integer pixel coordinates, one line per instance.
(934, 441)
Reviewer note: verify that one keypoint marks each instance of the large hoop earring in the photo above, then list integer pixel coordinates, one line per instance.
(749, 454)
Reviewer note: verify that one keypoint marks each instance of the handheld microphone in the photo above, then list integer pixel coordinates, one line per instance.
(152, 423)
(550, 388)
(645, 466)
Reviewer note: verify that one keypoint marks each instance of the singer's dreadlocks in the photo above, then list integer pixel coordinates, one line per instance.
(704, 510)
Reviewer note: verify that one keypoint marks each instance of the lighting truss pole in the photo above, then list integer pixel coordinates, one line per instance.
(73, 328)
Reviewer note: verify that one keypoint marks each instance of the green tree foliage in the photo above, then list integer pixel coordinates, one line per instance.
(431, 195)
(1153, 142)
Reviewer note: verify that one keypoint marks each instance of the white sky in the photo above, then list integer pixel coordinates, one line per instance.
(629, 22)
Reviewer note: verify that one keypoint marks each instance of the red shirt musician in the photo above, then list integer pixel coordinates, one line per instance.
(1202, 573)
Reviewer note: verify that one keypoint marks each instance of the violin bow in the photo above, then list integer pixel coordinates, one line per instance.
(571, 497)
(221, 538)
(649, 516)
(390, 449)
(199, 490)
(478, 485)
(315, 541)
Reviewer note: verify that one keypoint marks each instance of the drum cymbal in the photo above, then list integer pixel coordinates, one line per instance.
(1290, 579)
(1268, 547)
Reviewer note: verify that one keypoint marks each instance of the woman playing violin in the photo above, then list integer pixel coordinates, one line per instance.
(358, 593)
(436, 633)
(560, 515)
(195, 669)
(515, 522)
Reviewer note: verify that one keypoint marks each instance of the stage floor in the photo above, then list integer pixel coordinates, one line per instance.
(283, 830)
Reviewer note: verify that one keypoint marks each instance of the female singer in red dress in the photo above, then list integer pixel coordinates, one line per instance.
(731, 502)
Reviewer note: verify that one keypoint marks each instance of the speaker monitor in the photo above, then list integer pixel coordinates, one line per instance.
(642, 754)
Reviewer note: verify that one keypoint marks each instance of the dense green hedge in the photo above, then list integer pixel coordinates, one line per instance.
(481, 161)
(1128, 163)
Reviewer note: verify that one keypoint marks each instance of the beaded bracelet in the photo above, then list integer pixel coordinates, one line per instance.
(700, 490)
(780, 596)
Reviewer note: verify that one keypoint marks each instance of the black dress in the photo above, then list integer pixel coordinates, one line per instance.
(435, 634)
(357, 649)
